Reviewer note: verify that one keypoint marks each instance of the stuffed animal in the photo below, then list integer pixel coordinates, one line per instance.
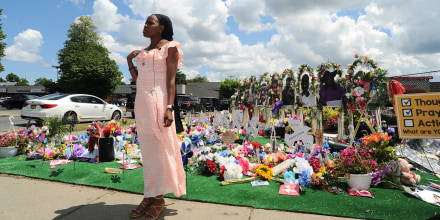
(407, 177)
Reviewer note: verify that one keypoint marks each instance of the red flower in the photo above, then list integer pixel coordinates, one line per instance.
(221, 172)
(211, 166)
(271, 166)
(315, 163)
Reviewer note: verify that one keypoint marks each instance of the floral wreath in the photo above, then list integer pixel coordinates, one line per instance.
(305, 68)
(326, 66)
(358, 98)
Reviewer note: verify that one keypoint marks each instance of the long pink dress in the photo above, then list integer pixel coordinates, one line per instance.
(162, 162)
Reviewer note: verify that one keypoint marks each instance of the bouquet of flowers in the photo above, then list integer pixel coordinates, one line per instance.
(355, 160)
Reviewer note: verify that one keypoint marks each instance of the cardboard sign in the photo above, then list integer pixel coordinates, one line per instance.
(228, 137)
(299, 134)
(418, 115)
(237, 119)
(252, 127)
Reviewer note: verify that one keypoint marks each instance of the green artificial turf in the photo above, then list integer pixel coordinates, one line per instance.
(387, 203)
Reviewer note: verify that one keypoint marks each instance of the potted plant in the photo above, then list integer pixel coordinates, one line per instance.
(356, 164)
(14, 142)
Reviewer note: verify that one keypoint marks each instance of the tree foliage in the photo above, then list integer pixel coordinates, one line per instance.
(11, 77)
(180, 77)
(228, 87)
(84, 63)
(2, 44)
(198, 78)
(49, 84)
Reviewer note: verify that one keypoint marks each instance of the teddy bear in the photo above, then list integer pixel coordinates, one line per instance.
(407, 177)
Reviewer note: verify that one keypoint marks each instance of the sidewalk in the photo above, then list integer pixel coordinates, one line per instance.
(28, 198)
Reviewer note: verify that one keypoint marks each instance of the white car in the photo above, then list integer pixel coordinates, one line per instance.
(79, 107)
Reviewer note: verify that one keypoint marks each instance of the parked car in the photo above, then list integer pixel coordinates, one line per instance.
(189, 103)
(17, 101)
(210, 103)
(224, 104)
(129, 107)
(119, 102)
(81, 107)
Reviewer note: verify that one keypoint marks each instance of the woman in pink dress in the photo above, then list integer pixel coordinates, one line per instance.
(155, 79)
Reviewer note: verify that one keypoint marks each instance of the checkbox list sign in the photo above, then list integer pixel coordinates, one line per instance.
(407, 113)
(406, 102)
(409, 123)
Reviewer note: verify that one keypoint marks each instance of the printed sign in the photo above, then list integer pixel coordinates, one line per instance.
(418, 115)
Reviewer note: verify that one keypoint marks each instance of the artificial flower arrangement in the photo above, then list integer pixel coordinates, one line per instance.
(355, 160)
(19, 139)
(112, 129)
(366, 90)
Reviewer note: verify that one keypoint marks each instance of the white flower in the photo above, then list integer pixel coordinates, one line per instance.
(358, 91)
(233, 171)
(302, 164)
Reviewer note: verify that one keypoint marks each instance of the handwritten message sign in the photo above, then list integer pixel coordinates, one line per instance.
(299, 134)
(418, 115)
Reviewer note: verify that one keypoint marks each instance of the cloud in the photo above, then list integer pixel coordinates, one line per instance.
(248, 14)
(25, 47)
(398, 35)
(105, 16)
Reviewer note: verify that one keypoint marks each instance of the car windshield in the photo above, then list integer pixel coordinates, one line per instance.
(56, 96)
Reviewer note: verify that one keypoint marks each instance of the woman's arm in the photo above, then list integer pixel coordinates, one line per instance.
(171, 62)
(131, 68)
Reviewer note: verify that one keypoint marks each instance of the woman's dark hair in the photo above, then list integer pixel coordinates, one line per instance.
(167, 32)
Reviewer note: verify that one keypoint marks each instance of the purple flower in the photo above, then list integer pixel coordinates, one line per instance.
(276, 106)
(281, 123)
(391, 130)
(376, 177)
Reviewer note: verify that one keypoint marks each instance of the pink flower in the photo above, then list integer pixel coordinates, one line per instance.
(358, 91)
(374, 163)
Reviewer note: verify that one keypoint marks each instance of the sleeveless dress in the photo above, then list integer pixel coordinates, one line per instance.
(162, 162)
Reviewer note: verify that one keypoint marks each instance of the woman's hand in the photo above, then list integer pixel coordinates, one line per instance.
(132, 55)
(168, 117)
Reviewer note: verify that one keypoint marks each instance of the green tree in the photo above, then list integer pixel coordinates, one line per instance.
(85, 65)
(228, 87)
(180, 77)
(23, 82)
(198, 78)
(2, 44)
(2, 80)
(49, 84)
(11, 77)
(42, 81)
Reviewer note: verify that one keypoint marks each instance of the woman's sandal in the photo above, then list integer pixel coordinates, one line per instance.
(155, 210)
(142, 208)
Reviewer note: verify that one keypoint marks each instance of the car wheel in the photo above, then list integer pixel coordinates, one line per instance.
(69, 117)
(9, 106)
(116, 115)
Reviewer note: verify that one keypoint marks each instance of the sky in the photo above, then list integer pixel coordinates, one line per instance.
(232, 38)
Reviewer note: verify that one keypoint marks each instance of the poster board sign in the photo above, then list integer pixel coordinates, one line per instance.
(418, 115)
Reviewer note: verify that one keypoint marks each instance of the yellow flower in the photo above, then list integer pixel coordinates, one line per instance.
(321, 171)
(265, 172)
